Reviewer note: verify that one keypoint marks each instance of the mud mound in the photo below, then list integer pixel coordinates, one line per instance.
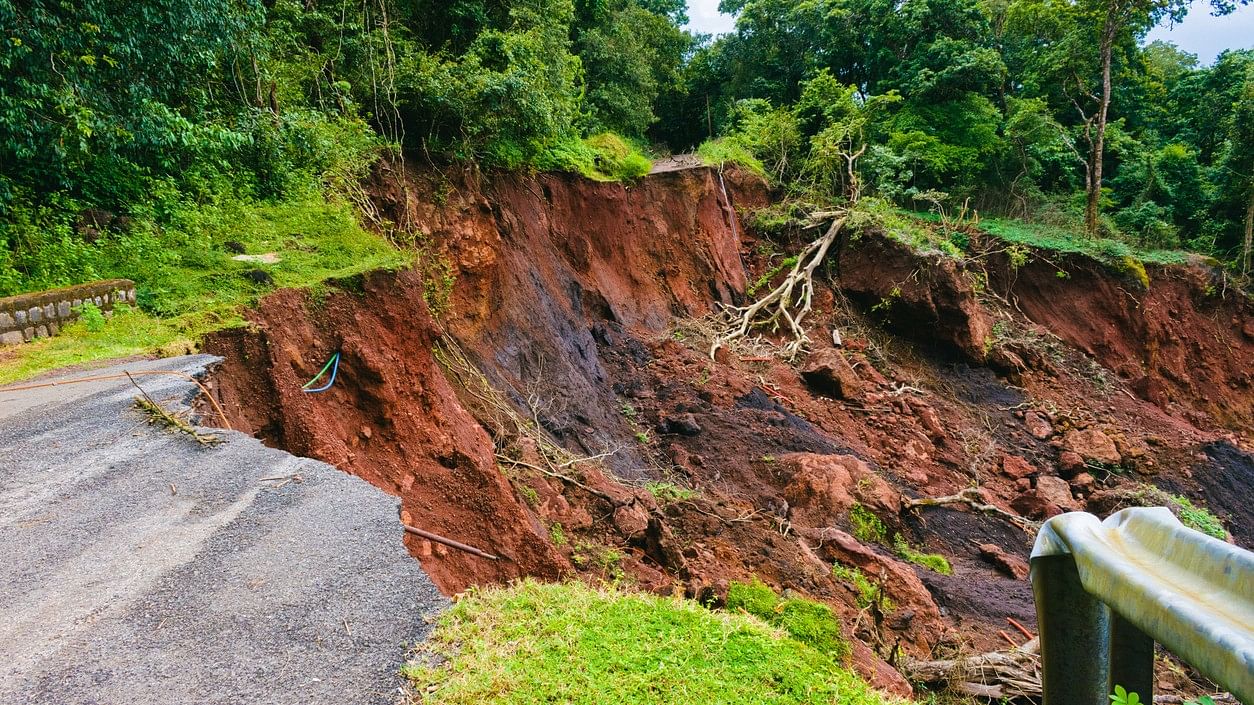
(390, 418)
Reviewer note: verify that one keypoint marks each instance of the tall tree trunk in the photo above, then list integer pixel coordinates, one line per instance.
(1093, 180)
(1248, 245)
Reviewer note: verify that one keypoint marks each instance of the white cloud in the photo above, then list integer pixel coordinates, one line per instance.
(1204, 34)
(703, 16)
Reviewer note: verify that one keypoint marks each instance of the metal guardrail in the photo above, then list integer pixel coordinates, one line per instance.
(1107, 591)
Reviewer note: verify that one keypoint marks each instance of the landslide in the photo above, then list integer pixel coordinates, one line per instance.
(559, 408)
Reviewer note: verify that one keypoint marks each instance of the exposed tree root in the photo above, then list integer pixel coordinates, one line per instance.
(794, 293)
(972, 498)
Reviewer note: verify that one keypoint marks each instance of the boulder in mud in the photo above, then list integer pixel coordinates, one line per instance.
(1011, 565)
(1070, 462)
(1057, 492)
(1046, 500)
(1092, 444)
(822, 488)
(827, 372)
(1038, 425)
(1084, 483)
(1015, 467)
(681, 424)
(631, 521)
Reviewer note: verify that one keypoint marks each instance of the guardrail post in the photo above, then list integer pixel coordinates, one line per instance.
(1075, 635)
(1131, 658)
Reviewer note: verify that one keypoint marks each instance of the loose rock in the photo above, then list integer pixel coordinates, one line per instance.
(1092, 444)
(1013, 566)
(827, 372)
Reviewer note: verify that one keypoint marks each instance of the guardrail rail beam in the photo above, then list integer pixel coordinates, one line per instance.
(1107, 591)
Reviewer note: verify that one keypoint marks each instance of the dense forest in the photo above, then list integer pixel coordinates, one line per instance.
(121, 120)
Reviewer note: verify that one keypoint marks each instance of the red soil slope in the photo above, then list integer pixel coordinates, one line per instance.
(581, 304)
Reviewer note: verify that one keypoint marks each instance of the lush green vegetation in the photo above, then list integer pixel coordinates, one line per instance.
(805, 620)
(1001, 106)
(156, 141)
(143, 140)
(127, 332)
(534, 642)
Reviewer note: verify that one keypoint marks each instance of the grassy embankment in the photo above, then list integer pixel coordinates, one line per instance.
(188, 284)
(570, 643)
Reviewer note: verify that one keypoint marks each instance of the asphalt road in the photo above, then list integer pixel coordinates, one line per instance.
(137, 567)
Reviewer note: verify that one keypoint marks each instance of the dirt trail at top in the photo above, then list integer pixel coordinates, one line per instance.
(676, 162)
(143, 568)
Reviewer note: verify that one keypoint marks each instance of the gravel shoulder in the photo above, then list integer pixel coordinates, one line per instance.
(140, 567)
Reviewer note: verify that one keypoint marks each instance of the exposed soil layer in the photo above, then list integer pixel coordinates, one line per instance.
(390, 418)
(1185, 342)
(577, 327)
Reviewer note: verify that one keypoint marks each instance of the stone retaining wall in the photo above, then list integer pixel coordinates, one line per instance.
(42, 313)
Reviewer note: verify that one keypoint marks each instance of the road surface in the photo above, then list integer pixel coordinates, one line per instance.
(137, 567)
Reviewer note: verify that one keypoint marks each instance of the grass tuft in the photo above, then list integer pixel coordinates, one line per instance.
(807, 621)
(868, 592)
(866, 526)
(669, 492)
(603, 157)
(573, 644)
(726, 150)
(934, 562)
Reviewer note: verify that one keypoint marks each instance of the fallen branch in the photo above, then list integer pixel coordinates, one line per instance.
(157, 414)
(1009, 674)
(559, 476)
(127, 374)
(971, 497)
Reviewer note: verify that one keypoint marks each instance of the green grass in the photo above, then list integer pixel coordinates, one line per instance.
(934, 562)
(127, 332)
(603, 157)
(668, 492)
(807, 621)
(921, 231)
(726, 150)
(314, 240)
(576, 645)
(868, 592)
(866, 526)
(1199, 518)
(1195, 517)
(911, 229)
(188, 285)
(1057, 239)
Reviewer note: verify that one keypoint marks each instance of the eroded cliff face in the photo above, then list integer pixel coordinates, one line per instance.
(580, 315)
(548, 268)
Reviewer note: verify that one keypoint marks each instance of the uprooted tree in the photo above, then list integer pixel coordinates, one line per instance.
(829, 174)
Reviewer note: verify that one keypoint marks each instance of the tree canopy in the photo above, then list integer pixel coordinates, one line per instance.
(1037, 109)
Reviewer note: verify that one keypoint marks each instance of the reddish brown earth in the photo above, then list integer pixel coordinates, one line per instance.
(583, 305)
